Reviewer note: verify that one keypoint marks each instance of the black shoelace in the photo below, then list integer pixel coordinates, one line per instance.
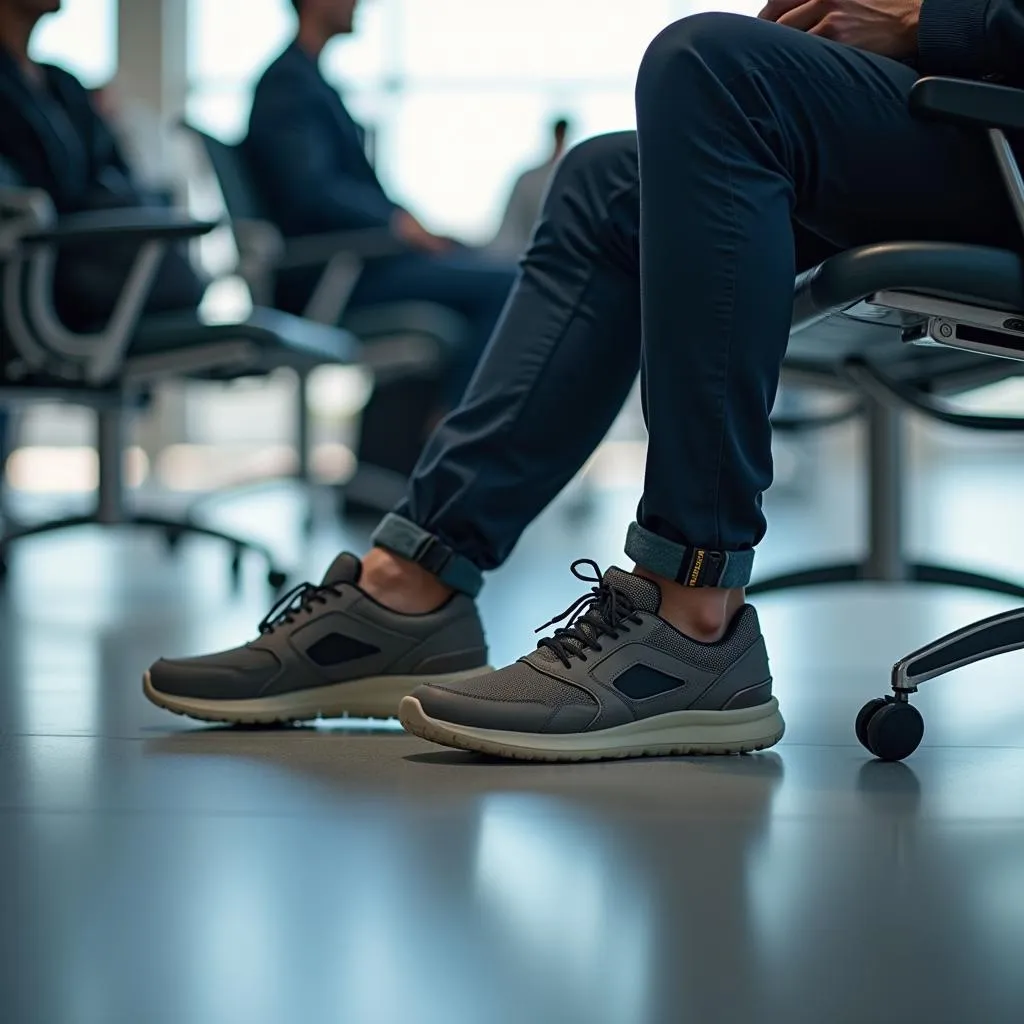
(605, 611)
(297, 602)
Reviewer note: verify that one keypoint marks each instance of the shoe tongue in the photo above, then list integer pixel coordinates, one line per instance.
(345, 568)
(644, 593)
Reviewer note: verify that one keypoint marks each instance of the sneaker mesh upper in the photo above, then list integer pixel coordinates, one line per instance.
(645, 594)
(522, 684)
(709, 657)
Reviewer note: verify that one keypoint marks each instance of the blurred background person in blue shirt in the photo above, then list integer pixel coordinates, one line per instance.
(308, 160)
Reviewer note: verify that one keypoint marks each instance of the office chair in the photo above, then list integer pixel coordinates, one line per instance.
(41, 360)
(410, 340)
(862, 316)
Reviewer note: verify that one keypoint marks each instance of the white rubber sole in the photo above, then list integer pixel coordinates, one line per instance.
(373, 697)
(679, 733)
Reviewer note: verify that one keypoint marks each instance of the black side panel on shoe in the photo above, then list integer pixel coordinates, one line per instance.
(336, 649)
(640, 681)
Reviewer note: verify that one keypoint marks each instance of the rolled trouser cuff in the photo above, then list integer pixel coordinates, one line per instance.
(691, 566)
(405, 538)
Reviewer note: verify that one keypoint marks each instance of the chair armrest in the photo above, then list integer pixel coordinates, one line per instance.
(31, 317)
(145, 225)
(17, 200)
(339, 256)
(315, 250)
(342, 255)
(961, 101)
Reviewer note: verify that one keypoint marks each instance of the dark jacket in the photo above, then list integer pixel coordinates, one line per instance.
(972, 39)
(305, 153)
(53, 139)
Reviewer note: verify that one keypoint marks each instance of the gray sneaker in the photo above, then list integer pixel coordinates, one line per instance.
(326, 651)
(618, 681)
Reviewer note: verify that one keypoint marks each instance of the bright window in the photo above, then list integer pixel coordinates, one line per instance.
(573, 41)
(231, 40)
(82, 38)
(458, 93)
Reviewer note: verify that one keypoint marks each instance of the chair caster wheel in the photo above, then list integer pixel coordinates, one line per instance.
(277, 580)
(890, 729)
(865, 714)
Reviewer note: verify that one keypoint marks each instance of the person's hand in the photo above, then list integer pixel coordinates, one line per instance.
(409, 230)
(886, 27)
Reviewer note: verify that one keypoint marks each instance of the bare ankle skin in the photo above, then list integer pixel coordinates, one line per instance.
(401, 585)
(702, 613)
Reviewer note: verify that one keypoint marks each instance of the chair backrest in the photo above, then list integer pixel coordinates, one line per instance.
(229, 166)
(256, 238)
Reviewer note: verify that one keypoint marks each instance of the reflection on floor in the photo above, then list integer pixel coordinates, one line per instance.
(155, 871)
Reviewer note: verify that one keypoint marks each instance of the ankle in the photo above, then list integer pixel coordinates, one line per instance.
(401, 585)
(701, 613)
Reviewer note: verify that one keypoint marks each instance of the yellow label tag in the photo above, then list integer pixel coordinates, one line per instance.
(698, 562)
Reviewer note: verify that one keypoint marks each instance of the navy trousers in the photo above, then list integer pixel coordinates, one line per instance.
(759, 151)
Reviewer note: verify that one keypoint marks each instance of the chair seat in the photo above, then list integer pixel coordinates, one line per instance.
(422, 319)
(284, 339)
(967, 273)
(828, 329)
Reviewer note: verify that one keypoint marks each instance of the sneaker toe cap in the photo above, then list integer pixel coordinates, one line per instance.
(231, 675)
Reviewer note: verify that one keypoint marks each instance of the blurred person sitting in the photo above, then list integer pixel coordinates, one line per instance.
(307, 158)
(54, 140)
(527, 197)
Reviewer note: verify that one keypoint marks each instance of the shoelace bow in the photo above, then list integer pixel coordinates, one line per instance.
(296, 602)
(606, 610)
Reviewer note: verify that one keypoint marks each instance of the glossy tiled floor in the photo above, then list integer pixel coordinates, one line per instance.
(156, 872)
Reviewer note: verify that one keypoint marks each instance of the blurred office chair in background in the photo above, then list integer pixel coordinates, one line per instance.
(409, 339)
(109, 369)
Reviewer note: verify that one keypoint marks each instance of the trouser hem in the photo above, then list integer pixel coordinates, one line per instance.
(409, 540)
(690, 566)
